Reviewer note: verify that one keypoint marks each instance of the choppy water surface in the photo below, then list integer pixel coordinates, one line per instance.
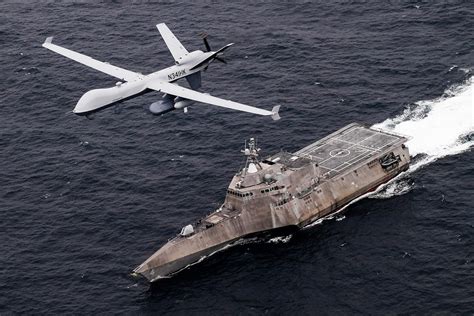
(85, 201)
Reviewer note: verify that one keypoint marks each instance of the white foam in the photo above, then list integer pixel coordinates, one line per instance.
(398, 187)
(280, 239)
(438, 128)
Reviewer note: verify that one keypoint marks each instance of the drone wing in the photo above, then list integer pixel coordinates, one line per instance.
(174, 45)
(173, 89)
(122, 74)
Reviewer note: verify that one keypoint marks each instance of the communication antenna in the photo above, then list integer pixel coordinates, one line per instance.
(252, 164)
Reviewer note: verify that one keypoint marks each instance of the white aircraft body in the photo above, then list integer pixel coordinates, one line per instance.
(187, 65)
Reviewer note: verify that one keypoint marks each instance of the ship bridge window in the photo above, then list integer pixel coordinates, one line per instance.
(275, 188)
(239, 194)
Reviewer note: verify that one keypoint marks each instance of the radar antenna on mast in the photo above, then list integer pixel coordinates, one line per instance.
(252, 163)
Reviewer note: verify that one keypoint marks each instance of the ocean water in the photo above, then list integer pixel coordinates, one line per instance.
(83, 202)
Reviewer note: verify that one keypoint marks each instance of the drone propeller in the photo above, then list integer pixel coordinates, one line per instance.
(206, 43)
(209, 49)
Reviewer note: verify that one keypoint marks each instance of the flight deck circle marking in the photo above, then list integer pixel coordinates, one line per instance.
(339, 153)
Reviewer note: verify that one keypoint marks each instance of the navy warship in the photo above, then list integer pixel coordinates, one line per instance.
(286, 190)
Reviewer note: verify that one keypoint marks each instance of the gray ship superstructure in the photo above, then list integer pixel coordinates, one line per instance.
(287, 190)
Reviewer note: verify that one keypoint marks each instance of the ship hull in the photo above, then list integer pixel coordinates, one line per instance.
(154, 273)
(290, 191)
(330, 212)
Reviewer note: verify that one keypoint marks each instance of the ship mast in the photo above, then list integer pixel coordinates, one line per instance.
(252, 164)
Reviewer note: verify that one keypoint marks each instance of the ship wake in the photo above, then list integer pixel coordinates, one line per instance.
(437, 128)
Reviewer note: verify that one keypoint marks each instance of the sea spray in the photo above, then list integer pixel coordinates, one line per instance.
(437, 128)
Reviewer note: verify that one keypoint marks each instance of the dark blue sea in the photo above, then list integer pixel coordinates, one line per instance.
(85, 201)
